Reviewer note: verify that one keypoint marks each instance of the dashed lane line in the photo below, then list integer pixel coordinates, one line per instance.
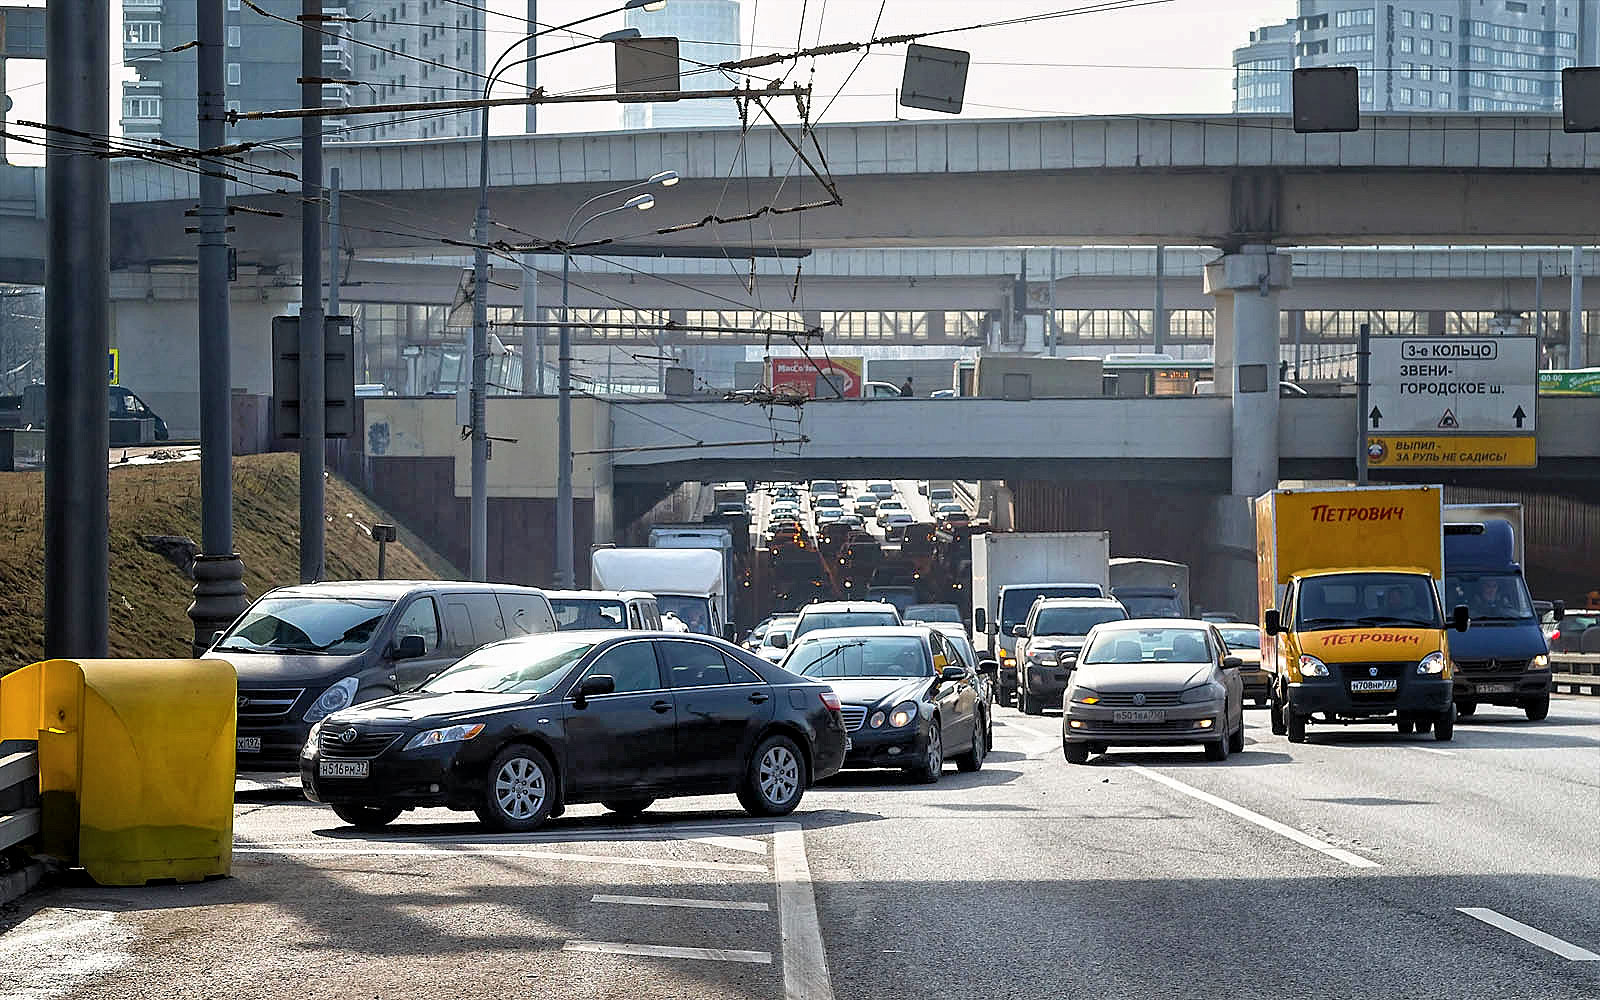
(501, 852)
(1532, 935)
(670, 951)
(693, 904)
(1250, 816)
(805, 963)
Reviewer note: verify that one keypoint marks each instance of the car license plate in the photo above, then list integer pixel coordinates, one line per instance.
(1381, 684)
(247, 744)
(1496, 688)
(342, 769)
(1140, 715)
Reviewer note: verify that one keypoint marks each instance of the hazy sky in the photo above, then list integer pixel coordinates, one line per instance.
(1171, 57)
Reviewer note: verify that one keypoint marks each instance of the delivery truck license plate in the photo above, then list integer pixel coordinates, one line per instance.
(342, 769)
(1381, 684)
(1140, 715)
(247, 744)
(1496, 688)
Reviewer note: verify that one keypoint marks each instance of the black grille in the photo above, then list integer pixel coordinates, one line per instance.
(267, 703)
(332, 743)
(1152, 699)
(1364, 671)
(854, 716)
(1174, 726)
(1491, 666)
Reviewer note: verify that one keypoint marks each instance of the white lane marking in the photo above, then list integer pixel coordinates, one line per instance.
(693, 904)
(1249, 816)
(1441, 753)
(588, 859)
(1532, 935)
(805, 964)
(669, 951)
(46, 954)
(747, 845)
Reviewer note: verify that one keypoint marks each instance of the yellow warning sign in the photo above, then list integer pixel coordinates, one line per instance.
(1452, 451)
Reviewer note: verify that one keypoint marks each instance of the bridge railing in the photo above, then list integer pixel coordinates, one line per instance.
(1576, 673)
(19, 793)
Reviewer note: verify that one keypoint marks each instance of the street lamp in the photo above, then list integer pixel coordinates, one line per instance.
(478, 517)
(565, 575)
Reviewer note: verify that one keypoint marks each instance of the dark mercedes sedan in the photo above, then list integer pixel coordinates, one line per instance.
(520, 729)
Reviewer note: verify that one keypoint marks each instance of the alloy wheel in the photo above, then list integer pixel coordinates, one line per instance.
(519, 788)
(780, 775)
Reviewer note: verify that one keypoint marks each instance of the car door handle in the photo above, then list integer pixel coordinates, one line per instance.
(663, 706)
(757, 697)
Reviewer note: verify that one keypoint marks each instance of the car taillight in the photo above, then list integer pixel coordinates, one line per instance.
(1555, 635)
(830, 700)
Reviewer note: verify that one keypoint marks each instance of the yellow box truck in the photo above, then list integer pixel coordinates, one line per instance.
(1352, 628)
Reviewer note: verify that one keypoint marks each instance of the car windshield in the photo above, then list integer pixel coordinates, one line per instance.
(694, 612)
(319, 625)
(1152, 606)
(772, 635)
(1241, 636)
(1149, 645)
(576, 613)
(1362, 600)
(878, 656)
(1073, 621)
(843, 619)
(932, 613)
(1018, 601)
(1489, 597)
(901, 599)
(531, 666)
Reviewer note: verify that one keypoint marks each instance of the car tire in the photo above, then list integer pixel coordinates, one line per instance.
(1217, 749)
(1444, 727)
(973, 759)
(1295, 725)
(1406, 727)
(931, 766)
(1466, 709)
(774, 780)
(1236, 741)
(367, 819)
(1097, 748)
(520, 790)
(1261, 702)
(1279, 727)
(1028, 703)
(1076, 753)
(1537, 709)
(627, 808)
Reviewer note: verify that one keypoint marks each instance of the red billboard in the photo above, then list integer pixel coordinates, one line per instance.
(818, 378)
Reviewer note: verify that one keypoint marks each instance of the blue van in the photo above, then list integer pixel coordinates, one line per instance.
(1502, 659)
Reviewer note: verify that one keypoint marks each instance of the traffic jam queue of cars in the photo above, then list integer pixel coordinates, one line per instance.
(513, 702)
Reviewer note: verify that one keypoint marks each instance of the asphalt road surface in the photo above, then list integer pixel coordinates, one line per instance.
(1363, 864)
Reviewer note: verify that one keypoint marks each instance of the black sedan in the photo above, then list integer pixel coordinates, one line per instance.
(520, 729)
(909, 701)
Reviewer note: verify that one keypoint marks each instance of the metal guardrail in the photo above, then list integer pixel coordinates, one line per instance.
(19, 793)
(1576, 673)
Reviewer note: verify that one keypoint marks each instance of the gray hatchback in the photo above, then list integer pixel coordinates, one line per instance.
(1153, 682)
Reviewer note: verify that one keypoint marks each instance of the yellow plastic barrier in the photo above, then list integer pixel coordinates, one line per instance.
(136, 763)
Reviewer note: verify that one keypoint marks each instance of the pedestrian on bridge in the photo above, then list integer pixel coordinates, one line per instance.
(905, 387)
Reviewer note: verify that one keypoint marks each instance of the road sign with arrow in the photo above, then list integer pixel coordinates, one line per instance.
(1453, 402)
(1375, 416)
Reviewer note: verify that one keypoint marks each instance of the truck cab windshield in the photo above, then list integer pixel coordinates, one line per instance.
(319, 625)
(1363, 600)
(1490, 597)
(1151, 605)
(695, 612)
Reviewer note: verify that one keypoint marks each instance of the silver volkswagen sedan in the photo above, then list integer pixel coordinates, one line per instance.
(1153, 682)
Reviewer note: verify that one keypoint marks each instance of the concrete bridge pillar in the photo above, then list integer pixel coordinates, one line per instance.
(1245, 286)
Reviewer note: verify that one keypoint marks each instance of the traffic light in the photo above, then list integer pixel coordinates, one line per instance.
(339, 368)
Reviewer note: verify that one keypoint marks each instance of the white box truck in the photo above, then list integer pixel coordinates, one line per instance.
(1012, 569)
(1151, 588)
(688, 583)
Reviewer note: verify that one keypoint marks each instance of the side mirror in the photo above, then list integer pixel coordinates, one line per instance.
(989, 666)
(592, 686)
(1459, 619)
(216, 636)
(1558, 609)
(1020, 631)
(1271, 623)
(980, 621)
(952, 674)
(409, 647)
(780, 641)
(1231, 663)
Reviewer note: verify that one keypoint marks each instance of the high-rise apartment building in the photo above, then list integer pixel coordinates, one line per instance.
(374, 50)
(707, 33)
(1425, 55)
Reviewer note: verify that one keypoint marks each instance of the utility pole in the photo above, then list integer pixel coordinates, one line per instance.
(1363, 397)
(1050, 320)
(334, 239)
(532, 338)
(1160, 325)
(532, 122)
(219, 594)
(478, 514)
(77, 334)
(313, 377)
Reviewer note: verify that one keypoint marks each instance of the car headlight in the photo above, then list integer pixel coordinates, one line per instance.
(1083, 696)
(449, 734)
(1432, 664)
(1202, 693)
(1310, 666)
(1540, 662)
(339, 695)
(904, 714)
(876, 722)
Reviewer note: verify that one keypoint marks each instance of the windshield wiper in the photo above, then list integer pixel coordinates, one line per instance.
(830, 654)
(1327, 622)
(301, 650)
(1392, 620)
(1501, 618)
